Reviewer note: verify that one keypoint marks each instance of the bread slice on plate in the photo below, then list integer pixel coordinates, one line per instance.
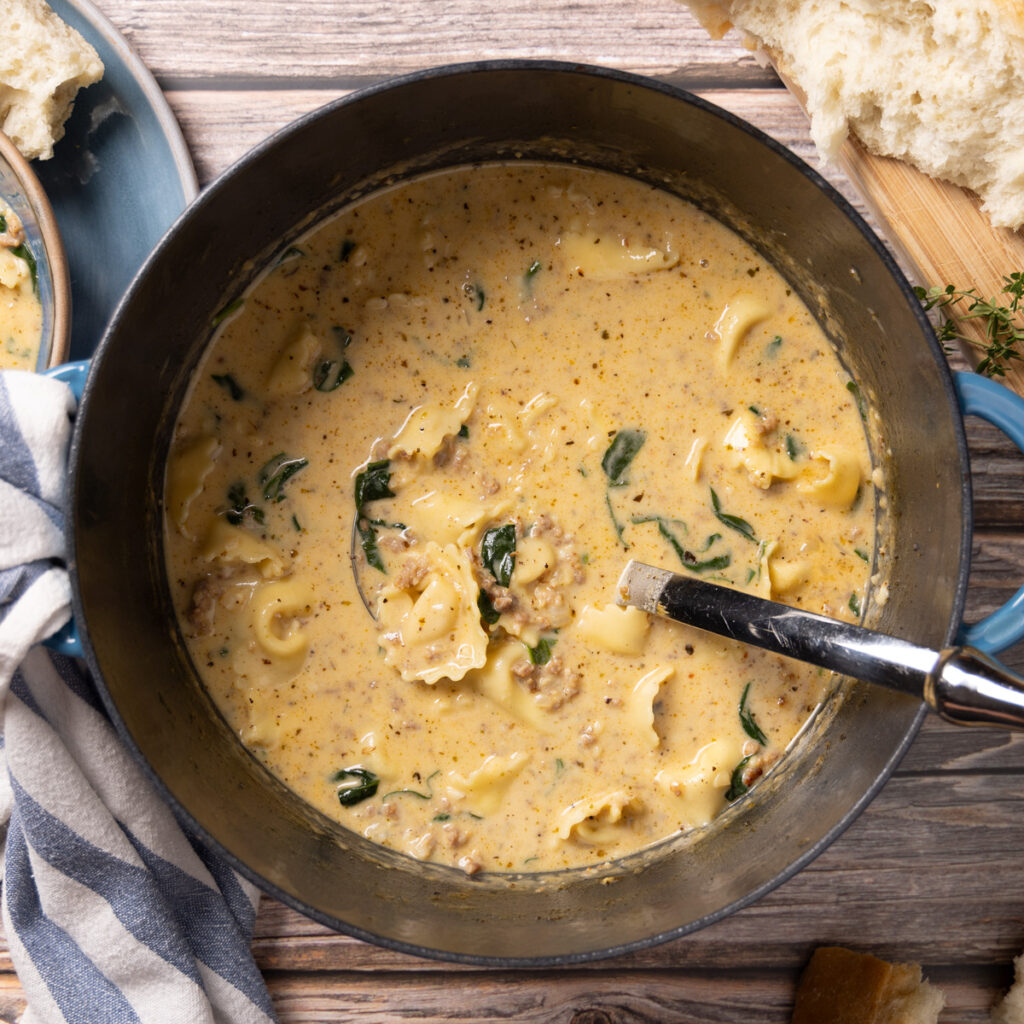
(937, 83)
(840, 986)
(43, 64)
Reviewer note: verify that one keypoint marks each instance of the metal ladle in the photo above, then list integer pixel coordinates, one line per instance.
(961, 684)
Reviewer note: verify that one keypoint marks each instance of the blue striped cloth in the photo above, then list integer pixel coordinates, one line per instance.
(113, 912)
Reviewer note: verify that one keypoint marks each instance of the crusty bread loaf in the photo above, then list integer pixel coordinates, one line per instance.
(43, 64)
(938, 83)
(839, 986)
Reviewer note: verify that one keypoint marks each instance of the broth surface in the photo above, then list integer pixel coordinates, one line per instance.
(491, 387)
(21, 313)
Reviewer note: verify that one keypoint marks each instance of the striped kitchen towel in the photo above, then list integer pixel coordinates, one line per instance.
(113, 912)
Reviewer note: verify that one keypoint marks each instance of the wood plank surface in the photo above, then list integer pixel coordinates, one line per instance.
(930, 871)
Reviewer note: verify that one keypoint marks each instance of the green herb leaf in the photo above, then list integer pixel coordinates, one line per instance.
(621, 452)
(793, 447)
(861, 554)
(488, 612)
(346, 250)
(716, 564)
(356, 785)
(541, 654)
(241, 506)
(226, 311)
(750, 727)
(733, 522)
(368, 542)
(854, 603)
(372, 483)
(773, 346)
(230, 385)
(330, 374)
(293, 252)
(24, 253)
(854, 388)
(3, 223)
(737, 787)
(1003, 322)
(498, 552)
(532, 269)
(618, 527)
(463, 362)
(277, 472)
(415, 792)
(477, 295)
(463, 432)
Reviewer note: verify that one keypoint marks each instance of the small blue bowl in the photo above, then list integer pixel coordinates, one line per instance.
(21, 191)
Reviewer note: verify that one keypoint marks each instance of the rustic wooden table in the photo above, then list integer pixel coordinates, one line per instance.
(930, 872)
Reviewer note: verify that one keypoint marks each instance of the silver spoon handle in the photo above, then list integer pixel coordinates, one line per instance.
(960, 684)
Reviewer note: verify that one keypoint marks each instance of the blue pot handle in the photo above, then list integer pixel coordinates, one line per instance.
(66, 640)
(998, 405)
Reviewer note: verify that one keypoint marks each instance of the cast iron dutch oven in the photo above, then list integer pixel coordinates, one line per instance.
(510, 111)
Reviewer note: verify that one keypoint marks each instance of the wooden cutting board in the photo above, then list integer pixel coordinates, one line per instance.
(940, 234)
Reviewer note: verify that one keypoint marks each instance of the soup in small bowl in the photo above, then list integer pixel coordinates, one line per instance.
(35, 294)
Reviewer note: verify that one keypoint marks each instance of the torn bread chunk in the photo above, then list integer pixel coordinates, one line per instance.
(892, 73)
(43, 64)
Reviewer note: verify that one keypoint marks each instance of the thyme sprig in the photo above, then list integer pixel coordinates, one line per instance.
(1004, 324)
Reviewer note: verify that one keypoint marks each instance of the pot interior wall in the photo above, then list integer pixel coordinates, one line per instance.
(138, 380)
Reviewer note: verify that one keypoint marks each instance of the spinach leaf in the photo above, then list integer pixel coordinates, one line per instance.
(230, 385)
(330, 374)
(737, 787)
(356, 785)
(24, 253)
(620, 454)
(687, 557)
(373, 483)
(541, 654)
(619, 527)
(716, 564)
(241, 506)
(277, 472)
(415, 792)
(733, 522)
(854, 388)
(750, 727)
(225, 311)
(488, 612)
(498, 552)
(368, 542)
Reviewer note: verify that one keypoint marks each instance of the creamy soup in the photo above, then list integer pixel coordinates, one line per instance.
(21, 314)
(413, 463)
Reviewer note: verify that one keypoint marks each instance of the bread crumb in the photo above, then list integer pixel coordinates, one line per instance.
(1010, 1009)
(43, 64)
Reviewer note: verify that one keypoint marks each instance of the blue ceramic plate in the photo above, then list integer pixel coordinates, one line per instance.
(117, 180)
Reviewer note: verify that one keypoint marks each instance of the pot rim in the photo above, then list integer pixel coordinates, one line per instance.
(279, 138)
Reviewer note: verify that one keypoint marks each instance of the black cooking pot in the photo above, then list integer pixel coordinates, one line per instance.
(505, 110)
